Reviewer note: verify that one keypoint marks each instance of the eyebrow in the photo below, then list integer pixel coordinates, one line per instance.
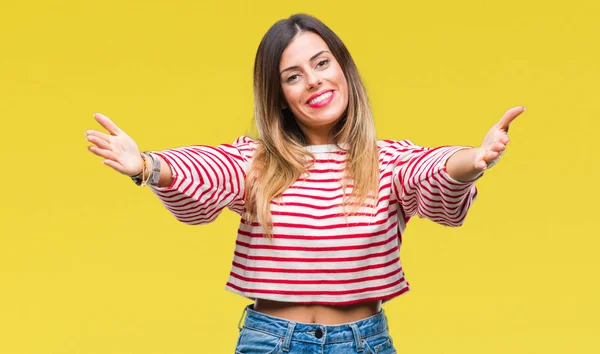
(297, 67)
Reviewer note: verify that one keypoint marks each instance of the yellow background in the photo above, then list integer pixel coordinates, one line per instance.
(90, 263)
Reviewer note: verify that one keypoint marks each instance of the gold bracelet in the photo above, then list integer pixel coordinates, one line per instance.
(140, 177)
(143, 169)
(145, 180)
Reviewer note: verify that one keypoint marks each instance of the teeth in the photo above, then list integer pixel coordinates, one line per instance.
(320, 98)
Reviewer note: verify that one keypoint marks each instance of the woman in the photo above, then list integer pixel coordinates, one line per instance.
(323, 202)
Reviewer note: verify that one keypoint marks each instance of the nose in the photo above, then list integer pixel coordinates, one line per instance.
(312, 80)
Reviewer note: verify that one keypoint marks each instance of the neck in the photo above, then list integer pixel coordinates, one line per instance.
(317, 135)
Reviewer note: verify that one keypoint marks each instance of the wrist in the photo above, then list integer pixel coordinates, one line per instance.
(462, 165)
(139, 174)
(150, 170)
(142, 178)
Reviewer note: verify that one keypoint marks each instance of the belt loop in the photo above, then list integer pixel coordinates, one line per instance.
(241, 318)
(357, 337)
(288, 336)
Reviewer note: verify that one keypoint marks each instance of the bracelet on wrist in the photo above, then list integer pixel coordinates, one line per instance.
(139, 178)
(148, 177)
(154, 177)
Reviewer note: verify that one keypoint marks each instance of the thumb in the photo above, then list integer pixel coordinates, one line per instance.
(509, 116)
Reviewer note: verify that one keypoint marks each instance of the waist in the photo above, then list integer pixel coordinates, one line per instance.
(322, 314)
(313, 332)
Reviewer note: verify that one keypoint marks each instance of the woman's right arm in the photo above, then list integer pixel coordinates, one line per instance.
(195, 182)
(204, 180)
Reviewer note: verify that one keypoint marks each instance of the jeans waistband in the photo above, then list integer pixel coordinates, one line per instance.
(315, 333)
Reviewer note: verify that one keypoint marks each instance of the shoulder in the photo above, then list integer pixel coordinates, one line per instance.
(392, 151)
(245, 145)
(391, 146)
(246, 142)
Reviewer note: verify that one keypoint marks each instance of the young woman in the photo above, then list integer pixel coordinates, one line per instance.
(323, 203)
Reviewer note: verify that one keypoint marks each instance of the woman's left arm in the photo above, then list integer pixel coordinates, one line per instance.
(468, 164)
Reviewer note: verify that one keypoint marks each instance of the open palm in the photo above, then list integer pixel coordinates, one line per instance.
(117, 148)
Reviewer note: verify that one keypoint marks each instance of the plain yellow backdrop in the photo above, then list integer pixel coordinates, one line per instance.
(90, 263)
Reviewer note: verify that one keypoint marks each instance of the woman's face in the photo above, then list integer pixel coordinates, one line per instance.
(314, 86)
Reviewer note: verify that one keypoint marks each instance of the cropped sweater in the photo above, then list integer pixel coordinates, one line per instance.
(317, 255)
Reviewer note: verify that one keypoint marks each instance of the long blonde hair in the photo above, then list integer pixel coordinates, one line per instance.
(280, 158)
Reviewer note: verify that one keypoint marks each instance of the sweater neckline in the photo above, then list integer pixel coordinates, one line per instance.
(325, 148)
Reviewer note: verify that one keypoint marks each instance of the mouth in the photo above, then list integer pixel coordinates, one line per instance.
(320, 99)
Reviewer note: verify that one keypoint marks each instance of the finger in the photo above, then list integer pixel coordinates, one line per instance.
(98, 134)
(101, 143)
(481, 164)
(509, 116)
(490, 156)
(498, 147)
(115, 165)
(103, 153)
(107, 124)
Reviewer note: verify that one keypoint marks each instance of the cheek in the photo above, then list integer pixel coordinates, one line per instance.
(292, 96)
(345, 91)
(343, 83)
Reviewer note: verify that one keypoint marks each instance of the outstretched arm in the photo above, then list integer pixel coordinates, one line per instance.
(438, 183)
(196, 182)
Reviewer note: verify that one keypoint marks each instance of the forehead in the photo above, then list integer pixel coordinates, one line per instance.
(301, 49)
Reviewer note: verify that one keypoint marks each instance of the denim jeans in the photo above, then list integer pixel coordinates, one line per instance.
(266, 334)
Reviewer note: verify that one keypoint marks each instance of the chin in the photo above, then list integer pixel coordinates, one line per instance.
(328, 118)
(324, 122)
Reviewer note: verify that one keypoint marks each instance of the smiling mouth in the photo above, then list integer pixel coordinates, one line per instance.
(320, 98)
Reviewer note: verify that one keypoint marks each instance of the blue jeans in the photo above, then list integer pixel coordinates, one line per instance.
(266, 334)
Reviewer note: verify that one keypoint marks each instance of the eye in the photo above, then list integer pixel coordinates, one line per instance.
(292, 78)
(323, 63)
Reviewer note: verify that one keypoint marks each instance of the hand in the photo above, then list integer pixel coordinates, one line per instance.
(118, 149)
(495, 141)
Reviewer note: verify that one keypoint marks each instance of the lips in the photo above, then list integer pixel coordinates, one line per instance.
(317, 95)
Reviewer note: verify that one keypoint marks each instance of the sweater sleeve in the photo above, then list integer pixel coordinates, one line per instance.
(423, 187)
(205, 180)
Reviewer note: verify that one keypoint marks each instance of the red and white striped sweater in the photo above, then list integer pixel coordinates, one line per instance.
(317, 255)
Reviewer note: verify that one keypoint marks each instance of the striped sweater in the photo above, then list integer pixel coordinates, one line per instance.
(317, 255)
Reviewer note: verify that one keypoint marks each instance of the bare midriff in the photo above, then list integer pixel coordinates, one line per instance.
(321, 314)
